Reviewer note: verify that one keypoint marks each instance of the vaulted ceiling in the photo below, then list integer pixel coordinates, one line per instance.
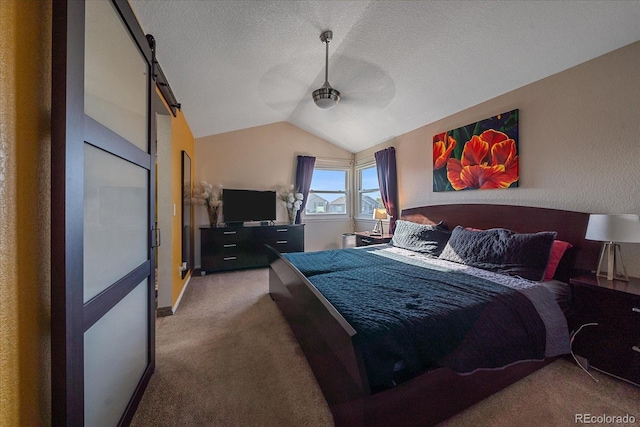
(398, 64)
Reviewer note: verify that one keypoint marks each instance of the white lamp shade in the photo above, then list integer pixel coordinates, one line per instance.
(379, 214)
(614, 228)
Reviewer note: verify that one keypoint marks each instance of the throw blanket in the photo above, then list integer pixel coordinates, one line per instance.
(412, 313)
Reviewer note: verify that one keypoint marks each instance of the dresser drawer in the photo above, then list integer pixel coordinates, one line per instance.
(286, 238)
(615, 352)
(221, 236)
(613, 311)
(279, 232)
(232, 234)
(284, 245)
(231, 261)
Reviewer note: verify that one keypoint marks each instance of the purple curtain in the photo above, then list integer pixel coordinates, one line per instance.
(388, 181)
(304, 173)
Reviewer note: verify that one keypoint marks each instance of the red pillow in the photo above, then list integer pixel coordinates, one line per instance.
(557, 250)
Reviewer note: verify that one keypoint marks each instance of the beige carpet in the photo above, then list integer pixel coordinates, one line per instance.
(228, 358)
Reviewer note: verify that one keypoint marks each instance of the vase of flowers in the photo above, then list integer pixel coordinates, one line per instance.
(209, 196)
(293, 202)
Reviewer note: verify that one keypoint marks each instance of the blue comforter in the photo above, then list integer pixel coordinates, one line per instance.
(410, 318)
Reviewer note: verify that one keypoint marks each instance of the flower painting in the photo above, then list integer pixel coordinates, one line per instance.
(480, 155)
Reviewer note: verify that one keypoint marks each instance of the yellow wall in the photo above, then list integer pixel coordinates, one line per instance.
(25, 88)
(181, 139)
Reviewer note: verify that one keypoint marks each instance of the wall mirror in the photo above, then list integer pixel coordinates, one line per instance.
(186, 214)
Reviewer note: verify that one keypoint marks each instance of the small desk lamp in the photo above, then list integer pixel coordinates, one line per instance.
(612, 229)
(379, 214)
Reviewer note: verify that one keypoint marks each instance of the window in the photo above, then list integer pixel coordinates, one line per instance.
(329, 194)
(369, 197)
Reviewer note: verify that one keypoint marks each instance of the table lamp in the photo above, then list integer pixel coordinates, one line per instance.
(613, 229)
(379, 214)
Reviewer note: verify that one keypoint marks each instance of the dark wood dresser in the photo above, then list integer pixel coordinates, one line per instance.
(613, 346)
(234, 248)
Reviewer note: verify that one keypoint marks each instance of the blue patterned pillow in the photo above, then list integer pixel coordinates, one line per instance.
(500, 250)
(429, 239)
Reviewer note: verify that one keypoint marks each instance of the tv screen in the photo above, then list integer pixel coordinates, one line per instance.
(248, 205)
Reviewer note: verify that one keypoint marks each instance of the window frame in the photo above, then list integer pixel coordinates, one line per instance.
(345, 166)
(359, 191)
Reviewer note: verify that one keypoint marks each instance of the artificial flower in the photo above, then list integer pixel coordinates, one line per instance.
(293, 202)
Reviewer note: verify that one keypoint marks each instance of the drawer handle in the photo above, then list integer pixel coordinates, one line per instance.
(635, 309)
(281, 242)
(366, 240)
(230, 245)
(229, 258)
(635, 348)
(282, 230)
(230, 232)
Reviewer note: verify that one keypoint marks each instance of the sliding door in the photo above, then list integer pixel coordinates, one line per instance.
(102, 193)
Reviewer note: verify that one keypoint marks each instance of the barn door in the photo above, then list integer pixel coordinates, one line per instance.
(102, 197)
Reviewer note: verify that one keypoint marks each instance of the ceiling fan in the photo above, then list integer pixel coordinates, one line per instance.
(326, 97)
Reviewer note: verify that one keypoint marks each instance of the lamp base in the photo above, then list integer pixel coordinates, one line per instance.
(377, 230)
(615, 264)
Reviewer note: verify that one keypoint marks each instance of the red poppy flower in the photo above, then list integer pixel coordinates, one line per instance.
(441, 150)
(489, 160)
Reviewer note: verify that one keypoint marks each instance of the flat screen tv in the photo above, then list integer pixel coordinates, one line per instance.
(248, 205)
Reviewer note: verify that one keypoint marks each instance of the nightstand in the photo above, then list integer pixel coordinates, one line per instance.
(613, 346)
(365, 238)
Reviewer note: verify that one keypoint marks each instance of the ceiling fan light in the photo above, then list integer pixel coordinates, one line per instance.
(326, 97)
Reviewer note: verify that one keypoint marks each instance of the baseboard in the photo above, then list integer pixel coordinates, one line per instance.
(164, 311)
(175, 307)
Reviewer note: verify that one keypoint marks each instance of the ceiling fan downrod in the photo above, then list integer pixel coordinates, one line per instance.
(326, 97)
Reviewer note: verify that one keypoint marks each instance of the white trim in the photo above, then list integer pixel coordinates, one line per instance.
(175, 307)
(341, 218)
(371, 220)
(364, 165)
(333, 162)
(357, 191)
(321, 218)
(345, 166)
(365, 160)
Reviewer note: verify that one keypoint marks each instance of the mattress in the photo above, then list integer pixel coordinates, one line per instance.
(413, 313)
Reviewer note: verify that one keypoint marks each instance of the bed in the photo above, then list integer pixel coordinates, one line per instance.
(361, 384)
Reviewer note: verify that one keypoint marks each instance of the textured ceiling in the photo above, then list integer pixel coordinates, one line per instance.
(398, 64)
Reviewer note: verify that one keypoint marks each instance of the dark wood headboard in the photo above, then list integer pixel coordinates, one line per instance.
(570, 226)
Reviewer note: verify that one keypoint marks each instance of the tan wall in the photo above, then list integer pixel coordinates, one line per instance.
(25, 174)
(579, 144)
(263, 158)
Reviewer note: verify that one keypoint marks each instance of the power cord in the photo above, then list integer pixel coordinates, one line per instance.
(573, 335)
